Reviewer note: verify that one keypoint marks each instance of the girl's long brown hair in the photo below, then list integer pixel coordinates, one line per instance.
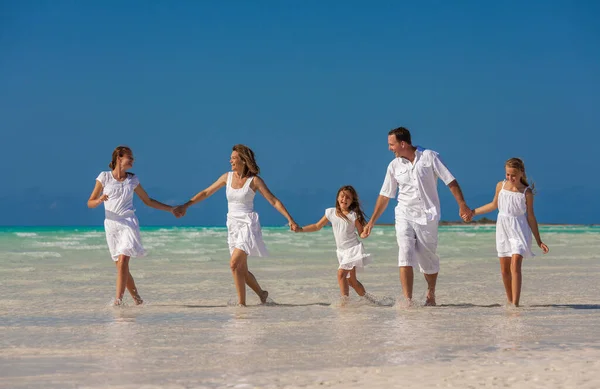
(247, 156)
(517, 163)
(118, 152)
(354, 206)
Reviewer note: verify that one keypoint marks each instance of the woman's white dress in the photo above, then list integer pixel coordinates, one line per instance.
(243, 226)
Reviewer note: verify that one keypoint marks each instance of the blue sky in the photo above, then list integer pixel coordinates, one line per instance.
(312, 86)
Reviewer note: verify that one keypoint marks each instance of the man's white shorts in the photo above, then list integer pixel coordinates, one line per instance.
(417, 244)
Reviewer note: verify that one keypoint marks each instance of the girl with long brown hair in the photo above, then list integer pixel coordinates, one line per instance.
(115, 189)
(347, 220)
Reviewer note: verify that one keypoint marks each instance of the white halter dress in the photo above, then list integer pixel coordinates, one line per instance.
(243, 226)
(350, 250)
(513, 235)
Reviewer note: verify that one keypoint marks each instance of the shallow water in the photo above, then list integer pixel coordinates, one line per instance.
(60, 332)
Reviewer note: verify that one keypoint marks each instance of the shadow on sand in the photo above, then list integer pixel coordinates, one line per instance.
(571, 306)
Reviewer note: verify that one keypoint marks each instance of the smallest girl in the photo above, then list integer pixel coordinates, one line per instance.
(515, 224)
(346, 219)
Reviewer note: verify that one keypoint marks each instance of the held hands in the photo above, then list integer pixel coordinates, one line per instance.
(466, 213)
(366, 231)
(294, 226)
(544, 248)
(179, 211)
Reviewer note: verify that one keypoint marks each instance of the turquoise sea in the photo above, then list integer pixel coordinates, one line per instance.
(59, 330)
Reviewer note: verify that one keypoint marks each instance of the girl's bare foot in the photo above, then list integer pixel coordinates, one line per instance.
(430, 300)
(263, 297)
(138, 300)
(118, 302)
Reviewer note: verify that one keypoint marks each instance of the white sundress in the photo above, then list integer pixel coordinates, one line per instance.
(350, 251)
(513, 234)
(120, 223)
(243, 226)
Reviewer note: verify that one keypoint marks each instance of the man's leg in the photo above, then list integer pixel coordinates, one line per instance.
(429, 262)
(405, 236)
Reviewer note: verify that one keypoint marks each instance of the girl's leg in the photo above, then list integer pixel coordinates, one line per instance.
(355, 283)
(133, 290)
(506, 277)
(253, 284)
(122, 277)
(239, 269)
(343, 282)
(515, 269)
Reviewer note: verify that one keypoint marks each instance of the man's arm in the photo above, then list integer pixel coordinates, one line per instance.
(463, 210)
(380, 206)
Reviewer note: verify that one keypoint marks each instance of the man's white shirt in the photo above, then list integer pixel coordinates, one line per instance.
(416, 185)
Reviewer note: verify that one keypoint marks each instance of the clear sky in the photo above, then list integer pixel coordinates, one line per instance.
(312, 86)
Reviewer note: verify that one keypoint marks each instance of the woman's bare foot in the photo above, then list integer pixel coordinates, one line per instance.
(263, 297)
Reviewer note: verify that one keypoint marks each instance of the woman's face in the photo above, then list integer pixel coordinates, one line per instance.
(236, 162)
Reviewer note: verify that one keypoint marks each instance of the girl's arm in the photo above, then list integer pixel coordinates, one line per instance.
(359, 227)
(97, 198)
(533, 222)
(314, 227)
(489, 207)
(151, 202)
(202, 195)
(261, 187)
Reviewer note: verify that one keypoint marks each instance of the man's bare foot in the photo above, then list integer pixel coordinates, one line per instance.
(263, 297)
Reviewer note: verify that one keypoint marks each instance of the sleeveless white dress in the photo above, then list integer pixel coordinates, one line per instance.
(350, 250)
(513, 234)
(120, 223)
(243, 226)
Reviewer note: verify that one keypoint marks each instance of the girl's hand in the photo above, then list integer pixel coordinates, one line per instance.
(366, 231)
(544, 248)
(294, 226)
(102, 199)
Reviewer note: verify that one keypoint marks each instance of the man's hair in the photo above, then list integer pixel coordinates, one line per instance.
(402, 134)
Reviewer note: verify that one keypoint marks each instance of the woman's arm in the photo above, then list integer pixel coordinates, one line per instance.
(489, 207)
(261, 187)
(97, 198)
(202, 195)
(532, 221)
(314, 227)
(151, 202)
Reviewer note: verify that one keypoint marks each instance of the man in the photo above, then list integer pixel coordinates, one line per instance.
(413, 174)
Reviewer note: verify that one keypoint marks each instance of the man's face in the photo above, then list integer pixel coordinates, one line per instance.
(395, 146)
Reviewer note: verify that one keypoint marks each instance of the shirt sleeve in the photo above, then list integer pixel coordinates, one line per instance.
(328, 213)
(441, 170)
(390, 185)
(102, 178)
(135, 181)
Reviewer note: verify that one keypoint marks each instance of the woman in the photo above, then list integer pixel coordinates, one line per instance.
(244, 234)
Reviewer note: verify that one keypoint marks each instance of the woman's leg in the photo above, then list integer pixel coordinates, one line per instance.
(239, 269)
